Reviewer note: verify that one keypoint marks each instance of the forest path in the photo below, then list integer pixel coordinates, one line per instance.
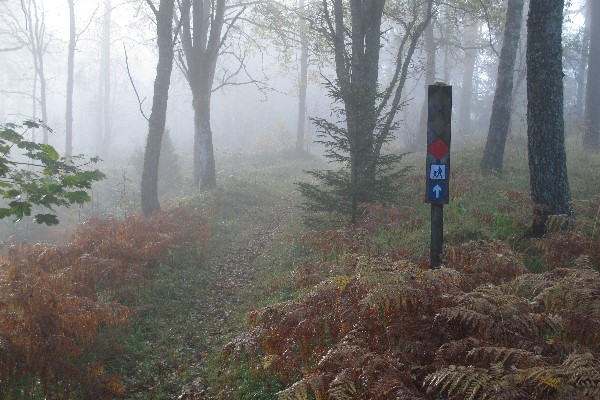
(199, 300)
(232, 274)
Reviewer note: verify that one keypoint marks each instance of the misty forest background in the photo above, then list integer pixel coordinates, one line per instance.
(224, 200)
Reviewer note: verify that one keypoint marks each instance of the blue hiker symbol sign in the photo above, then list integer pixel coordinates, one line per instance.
(437, 172)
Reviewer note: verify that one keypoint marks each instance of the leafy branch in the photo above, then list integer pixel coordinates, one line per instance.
(34, 174)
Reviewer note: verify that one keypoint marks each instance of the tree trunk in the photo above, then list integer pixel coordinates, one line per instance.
(105, 79)
(205, 175)
(201, 41)
(582, 64)
(303, 78)
(34, 105)
(545, 122)
(36, 28)
(430, 49)
(591, 138)
(502, 106)
(354, 32)
(447, 55)
(70, 70)
(360, 100)
(43, 98)
(466, 97)
(158, 115)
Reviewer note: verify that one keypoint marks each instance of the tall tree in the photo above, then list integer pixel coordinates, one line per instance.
(73, 39)
(550, 190)
(591, 137)
(24, 21)
(205, 27)
(430, 50)
(582, 63)
(303, 84)
(104, 115)
(70, 79)
(466, 95)
(502, 106)
(369, 110)
(158, 115)
(36, 21)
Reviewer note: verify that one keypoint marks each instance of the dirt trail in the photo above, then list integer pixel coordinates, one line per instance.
(206, 308)
(233, 272)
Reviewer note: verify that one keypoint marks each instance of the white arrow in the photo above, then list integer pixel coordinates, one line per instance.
(437, 189)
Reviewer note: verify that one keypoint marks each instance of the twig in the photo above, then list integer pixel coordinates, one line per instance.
(140, 102)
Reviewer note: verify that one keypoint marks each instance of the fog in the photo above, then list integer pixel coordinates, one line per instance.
(243, 118)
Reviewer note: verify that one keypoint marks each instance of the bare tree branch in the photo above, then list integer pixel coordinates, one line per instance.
(152, 7)
(140, 102)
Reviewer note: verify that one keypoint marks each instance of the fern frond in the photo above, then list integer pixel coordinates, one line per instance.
(467, 382)
(505, 357)
(298, 391)
(466, 319)
(479, 258)
(578, 292)
(399, 297)
(583, 262)
(456, 351)
(308, 388)
(558, 223)
(343, 388)
(527, 285)
(546, 379)
(583, 371)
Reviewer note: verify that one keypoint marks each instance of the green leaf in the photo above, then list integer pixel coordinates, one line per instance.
(48, 219)
(47, 185)
(20, 208)
(5, 212)
(50, 151)
(10, 135)
(31, 124)
(77, 197)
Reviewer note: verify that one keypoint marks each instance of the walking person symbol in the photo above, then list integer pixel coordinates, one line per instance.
(437, 172)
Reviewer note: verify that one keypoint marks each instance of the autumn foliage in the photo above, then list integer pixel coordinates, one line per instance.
(54, 300)
(377, 326)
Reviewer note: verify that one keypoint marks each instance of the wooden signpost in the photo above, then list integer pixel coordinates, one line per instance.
(438, 164)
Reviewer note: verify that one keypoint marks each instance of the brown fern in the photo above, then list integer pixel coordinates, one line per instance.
(55, 299)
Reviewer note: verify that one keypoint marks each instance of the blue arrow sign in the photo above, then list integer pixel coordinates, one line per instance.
(437, 192)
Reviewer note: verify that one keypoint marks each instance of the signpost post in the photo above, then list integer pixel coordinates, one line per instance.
(438, 164)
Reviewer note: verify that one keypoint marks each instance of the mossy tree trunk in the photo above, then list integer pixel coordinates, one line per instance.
(545, 122)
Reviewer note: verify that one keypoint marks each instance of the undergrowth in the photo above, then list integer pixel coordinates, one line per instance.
(507, 316)
(55, 301)
(383, 327)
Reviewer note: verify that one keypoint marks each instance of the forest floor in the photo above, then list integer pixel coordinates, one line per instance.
(193, 302)
(198, 300)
